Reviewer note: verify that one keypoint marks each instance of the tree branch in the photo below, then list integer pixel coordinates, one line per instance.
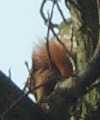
(86, 29)
(24, 109)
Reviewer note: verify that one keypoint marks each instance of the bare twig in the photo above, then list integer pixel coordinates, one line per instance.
(51, 27)
(72, 39)
(27, 66)
(60, 11)
(43, 14)
(48, 33)
(26, 83)
(66, 50)
(10, 74)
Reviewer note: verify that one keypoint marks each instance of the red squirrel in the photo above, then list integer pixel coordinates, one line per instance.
(46, 72)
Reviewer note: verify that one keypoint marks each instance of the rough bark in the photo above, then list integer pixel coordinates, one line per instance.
(85, 22)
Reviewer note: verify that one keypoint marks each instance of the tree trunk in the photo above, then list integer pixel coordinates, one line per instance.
(69, 94)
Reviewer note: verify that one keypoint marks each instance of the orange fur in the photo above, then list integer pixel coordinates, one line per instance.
(44, 72)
